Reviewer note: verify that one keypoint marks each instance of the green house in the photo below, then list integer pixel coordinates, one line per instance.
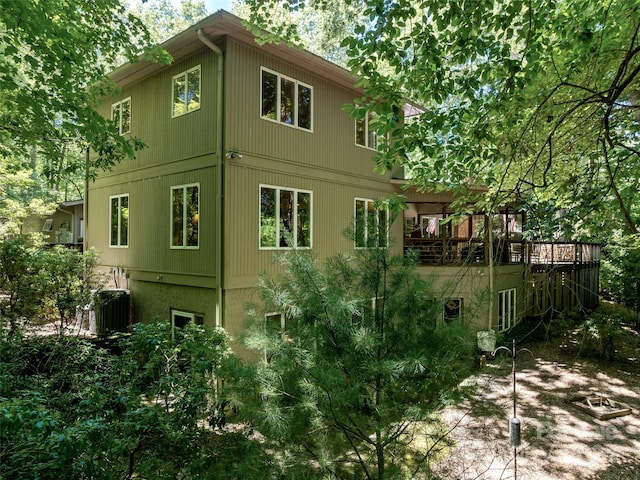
(249, 153)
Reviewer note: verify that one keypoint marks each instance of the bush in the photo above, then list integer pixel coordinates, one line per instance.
(45, 284)
(602, 331)
(20, 294)
(69, 409)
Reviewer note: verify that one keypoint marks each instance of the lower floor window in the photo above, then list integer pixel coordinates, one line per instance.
(119, 221)
(506, 309)
(371, 224)
(179, 319)
(275, 326)
(285, 218)
(453, 309)
(185, 216)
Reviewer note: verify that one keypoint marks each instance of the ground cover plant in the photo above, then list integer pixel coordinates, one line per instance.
(72, 409)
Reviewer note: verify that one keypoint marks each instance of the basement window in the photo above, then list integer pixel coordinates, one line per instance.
(180, 318)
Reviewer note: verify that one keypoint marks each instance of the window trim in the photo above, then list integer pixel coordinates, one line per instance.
(297, 83)
(507, 308)
(185, 74)
(119, 197)
(118, 105)
(295, 216)
(184, 187)
(192, 316)
(460, 308)
(366, 120)
(366, 230)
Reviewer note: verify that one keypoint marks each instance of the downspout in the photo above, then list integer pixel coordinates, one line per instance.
(85, 206)
(219, 177)
(491, 272)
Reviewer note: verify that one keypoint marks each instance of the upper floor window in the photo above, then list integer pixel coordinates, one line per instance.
(121, 115)
(506, 309)
(185, 216)
(286, 100)
(285, 218)
(186, 92)
(366, 136)
(371, 224)
(119, 221)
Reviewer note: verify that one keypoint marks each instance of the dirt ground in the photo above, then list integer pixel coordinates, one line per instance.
(558, 441)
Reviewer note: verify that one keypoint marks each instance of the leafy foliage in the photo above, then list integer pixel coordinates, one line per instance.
(54, 57)
(620, 274)
(43, 283)
(70, 409)
(163, 19)
(20, 195)
(602, 332)
(537, 100)
(358, 368)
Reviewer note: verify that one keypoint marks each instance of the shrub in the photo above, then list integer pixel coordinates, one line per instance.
(20, 294)
(67, 279)
(39, 283)
(602, 332)
(69, 409)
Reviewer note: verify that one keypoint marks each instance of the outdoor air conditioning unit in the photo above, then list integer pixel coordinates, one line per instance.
(112, 311)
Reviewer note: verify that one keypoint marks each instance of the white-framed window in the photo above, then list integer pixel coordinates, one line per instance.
(506, 309)
(180, 318)
(185, 88)
(119, 220)
(185, 216)
(371, 222)
(275, 325)
(121, 115)
(366, 136)
(48, 225)
(285, 218)
(368, 309)
(285, 100)
(452, 309)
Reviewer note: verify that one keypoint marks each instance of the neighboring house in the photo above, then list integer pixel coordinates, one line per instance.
(250, 152)
(65, 226)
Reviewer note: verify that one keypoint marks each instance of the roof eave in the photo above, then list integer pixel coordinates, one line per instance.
(217, 26)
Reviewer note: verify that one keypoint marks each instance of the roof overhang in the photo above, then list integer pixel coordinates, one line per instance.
(215, 28)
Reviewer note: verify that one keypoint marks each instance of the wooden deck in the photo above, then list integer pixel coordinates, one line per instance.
(461, 251)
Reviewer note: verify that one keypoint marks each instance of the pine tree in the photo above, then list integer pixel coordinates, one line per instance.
(354, 361)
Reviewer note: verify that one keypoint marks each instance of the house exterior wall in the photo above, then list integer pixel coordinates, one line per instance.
(65, 225)
(169, 140)
(326, 162)
(179, 151)
(453, 282)
(153, 299)
(184, 150)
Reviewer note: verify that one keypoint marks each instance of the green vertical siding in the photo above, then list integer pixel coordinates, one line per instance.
(331, 145)
(170, 139)
(179, 151)
(325, 161)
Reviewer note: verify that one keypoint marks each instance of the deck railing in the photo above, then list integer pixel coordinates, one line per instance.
(458, 251)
